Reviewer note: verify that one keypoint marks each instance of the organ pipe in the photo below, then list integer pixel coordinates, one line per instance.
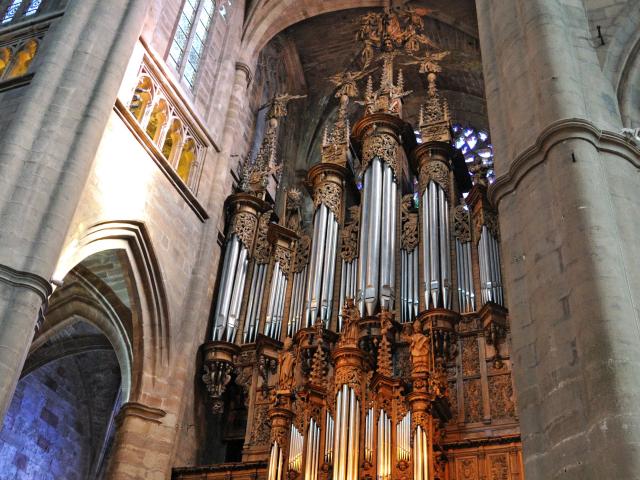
(346, 442)
(275, 307)
(234, 271)
(421, 454)
(384, 447)
(327, 180)
(466, 293)
(369, 434)
(295, 450)
(328, 440)
(276, 462)
(347, 285)
(312, 451)
(490, 277)
(403, 438)
(296, 309)
(435, 242)
(376, 270)
(256, 293)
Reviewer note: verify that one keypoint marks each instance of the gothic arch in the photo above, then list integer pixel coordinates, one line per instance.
(149, 309)
(81, 300)
(622, 64)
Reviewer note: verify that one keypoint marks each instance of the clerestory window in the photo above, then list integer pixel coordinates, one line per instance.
(16, 9)
(190, 38)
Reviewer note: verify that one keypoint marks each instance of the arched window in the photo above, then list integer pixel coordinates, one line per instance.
(23, 59)
(18, 9)
(190, 38)
(187, 160)
(475, 146)
(157, 120)
(5, 58)
(142, 98)
(172, 141)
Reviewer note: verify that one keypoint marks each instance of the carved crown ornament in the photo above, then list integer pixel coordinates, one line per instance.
(434, 170)
(329, 194)
(244, 226)
(380, 145)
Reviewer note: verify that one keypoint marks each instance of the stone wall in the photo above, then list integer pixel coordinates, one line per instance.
(56, 425)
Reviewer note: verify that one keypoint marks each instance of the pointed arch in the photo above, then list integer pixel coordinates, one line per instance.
(149, 309)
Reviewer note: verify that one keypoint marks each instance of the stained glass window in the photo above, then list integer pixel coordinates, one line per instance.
(32, 8)
(11, 12)
(475, 146)
(190, 38)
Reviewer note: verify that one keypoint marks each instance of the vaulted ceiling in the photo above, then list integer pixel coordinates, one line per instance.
(313, 50)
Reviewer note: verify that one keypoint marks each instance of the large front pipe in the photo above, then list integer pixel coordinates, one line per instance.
(374, 238)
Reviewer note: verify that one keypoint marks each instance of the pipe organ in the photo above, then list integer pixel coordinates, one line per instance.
(367, 387)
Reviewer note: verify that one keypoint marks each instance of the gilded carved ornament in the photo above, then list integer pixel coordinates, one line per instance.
(435, 171)
(461, 224)
(381, 145)
(302, 250)
(244, 226)
(329, 194)
(488, 218)
(349, 250)
(409, 240)
(282, 256)
(262, 250)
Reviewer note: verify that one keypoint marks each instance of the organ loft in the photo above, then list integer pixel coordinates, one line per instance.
(371, 340)
(319, 239)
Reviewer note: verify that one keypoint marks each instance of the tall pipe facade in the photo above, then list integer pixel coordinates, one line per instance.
(364, 384)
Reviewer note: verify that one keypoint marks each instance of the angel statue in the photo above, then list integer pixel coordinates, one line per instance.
(429, 62)
(346, 83)
(279, 104)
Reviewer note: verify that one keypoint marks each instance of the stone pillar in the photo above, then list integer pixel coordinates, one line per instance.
(566, 193)
(45, 157)
(140, 446)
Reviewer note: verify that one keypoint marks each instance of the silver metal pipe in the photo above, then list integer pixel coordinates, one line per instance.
(315, 278)
(403, 285)
(459, 267)
(313, 264)
(252, 294)
(226, 286)
(483, 266)
(272, 299)
(238, 292)
(374, 238)
(385, 236)
(443, 228)
(343, 290)
(416, 289)
(282, 289)
(426, 246)
(391, 258)
(365, 217)
(330, 262)
(433, 243)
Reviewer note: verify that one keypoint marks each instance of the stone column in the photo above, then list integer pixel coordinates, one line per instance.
(45, 157)
(566, 193)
